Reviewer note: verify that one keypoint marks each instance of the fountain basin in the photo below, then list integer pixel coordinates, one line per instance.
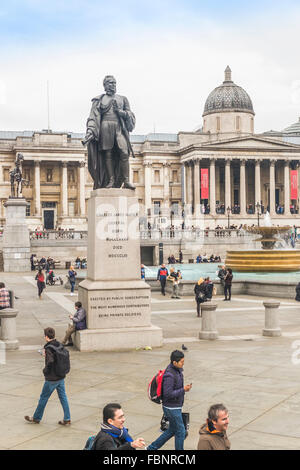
(263, 260)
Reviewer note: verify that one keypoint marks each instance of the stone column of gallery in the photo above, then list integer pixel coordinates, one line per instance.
(243, 187)
(272, 188)
(212, 186)
(37, 187)
(287, 199)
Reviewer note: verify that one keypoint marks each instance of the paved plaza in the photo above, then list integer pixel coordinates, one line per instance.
(252, 375)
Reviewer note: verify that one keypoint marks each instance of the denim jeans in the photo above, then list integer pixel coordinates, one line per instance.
(47, 391)
(176, 428)
(72, 286)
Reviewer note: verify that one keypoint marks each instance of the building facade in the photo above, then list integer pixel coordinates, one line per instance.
(222, 170)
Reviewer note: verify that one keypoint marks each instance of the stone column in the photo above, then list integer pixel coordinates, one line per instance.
(197, 187)
(189, 187)
(8, 328)
(37, 187)
(243, 187)
(257, 181)
(64, 190)
(287, 199)
(209, 321)
(227, 184)
(212, 186)
(272, 188)
(166, 167)
(148, 174)
(271, 319)
(81, 189)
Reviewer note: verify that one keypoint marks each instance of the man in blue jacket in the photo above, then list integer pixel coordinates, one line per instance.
(173, 390)
(162, 275)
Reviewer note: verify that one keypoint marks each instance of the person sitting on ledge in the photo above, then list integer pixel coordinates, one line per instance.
(79, 323)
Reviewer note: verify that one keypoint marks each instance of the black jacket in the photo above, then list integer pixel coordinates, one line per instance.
(49, 369)
(172, 387)
(104, 441)
(200, 292)
(298, 292)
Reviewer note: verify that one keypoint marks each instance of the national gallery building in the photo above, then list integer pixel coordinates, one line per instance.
(222, 170)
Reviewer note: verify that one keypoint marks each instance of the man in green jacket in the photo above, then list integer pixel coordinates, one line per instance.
(213, 433)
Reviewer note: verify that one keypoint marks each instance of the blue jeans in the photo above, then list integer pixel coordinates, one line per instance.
(47, 391)
(176, 428)
(72, 286)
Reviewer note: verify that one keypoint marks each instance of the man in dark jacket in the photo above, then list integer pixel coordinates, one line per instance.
(213, 433)
(53, 381)
(297, 292)
(113, 435)
(173, 390)
(79, 323)
(162, 275)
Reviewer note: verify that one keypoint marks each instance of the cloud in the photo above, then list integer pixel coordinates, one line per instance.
(166, 68)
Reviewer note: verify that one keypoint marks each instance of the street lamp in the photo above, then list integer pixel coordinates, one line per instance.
(228, 214)
(258, 207)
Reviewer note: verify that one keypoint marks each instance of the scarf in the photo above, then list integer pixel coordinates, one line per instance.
(116, 432)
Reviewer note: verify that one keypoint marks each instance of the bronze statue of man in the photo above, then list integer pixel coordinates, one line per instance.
(107, 136)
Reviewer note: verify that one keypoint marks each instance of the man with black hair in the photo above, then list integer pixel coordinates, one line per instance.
(78, 323)
(54, 380)
(113, 435)
(173, 390)
(213, 433)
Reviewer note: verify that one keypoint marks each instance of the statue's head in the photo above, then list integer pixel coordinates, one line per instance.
(19, 158)
(109, 84)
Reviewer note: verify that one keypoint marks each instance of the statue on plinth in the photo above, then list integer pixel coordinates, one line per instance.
(107, 137)
(16, 179)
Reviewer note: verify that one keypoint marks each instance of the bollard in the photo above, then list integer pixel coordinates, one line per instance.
(209, 321)
(8, 328)
(271, 319)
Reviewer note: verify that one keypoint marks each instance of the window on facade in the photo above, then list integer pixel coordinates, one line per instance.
(27, 174)
(48, 205)
(28, 210)
(6, 174)
(218, 123)
(175, 207)
(156, 207)
(71, 175)
(135, 176)
(156, 176)
(238, 123)
(71, 206)
(49, 175)
(252, 125)
(174, 176)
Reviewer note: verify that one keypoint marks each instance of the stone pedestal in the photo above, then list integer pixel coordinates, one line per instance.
(8, 328)
(116, 300)
(209, 321)
(271, 319)
(16, 242)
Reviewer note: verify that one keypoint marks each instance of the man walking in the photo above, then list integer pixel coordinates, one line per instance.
(213, 433)
(79, 323)
(57, 365)
(113, 435)
(173, 391)
(228, 284)
(162, 275)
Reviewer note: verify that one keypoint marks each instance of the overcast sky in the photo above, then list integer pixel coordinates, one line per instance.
(167, 56)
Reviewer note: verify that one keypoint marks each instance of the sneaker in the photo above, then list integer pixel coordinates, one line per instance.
(64, 423)
(30, 419)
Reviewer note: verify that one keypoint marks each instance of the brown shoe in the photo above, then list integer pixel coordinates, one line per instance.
(64, 423)
(30, 419)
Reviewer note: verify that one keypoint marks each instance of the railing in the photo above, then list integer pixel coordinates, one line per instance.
(192, 234)
(58, 235)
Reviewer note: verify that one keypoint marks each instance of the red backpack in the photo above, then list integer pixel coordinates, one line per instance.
(155, 387)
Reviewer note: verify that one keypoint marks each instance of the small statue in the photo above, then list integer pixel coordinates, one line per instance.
(16, 180)
(107, 138)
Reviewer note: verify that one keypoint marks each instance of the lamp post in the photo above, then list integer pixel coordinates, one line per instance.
(258, 207)
(228, 214)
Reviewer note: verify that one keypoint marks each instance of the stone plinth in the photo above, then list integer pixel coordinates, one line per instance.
(271, 319)
(209, 321)
(16, 242)
(8, 328)
(116, 300)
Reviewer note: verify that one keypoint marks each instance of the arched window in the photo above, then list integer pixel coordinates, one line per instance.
(238, 123)
(218, 124)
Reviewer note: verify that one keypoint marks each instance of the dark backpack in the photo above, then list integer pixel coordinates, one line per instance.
(155, 387)
(62, 360)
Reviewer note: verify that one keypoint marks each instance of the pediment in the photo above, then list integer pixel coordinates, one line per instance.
(252, 142)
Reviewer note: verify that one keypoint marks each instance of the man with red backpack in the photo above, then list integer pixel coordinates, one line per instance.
(173, 391)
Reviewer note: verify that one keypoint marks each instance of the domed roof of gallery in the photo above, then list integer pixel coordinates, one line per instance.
(293, 128)
(228, 97)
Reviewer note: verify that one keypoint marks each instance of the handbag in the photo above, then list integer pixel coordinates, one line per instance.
(164, 423)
